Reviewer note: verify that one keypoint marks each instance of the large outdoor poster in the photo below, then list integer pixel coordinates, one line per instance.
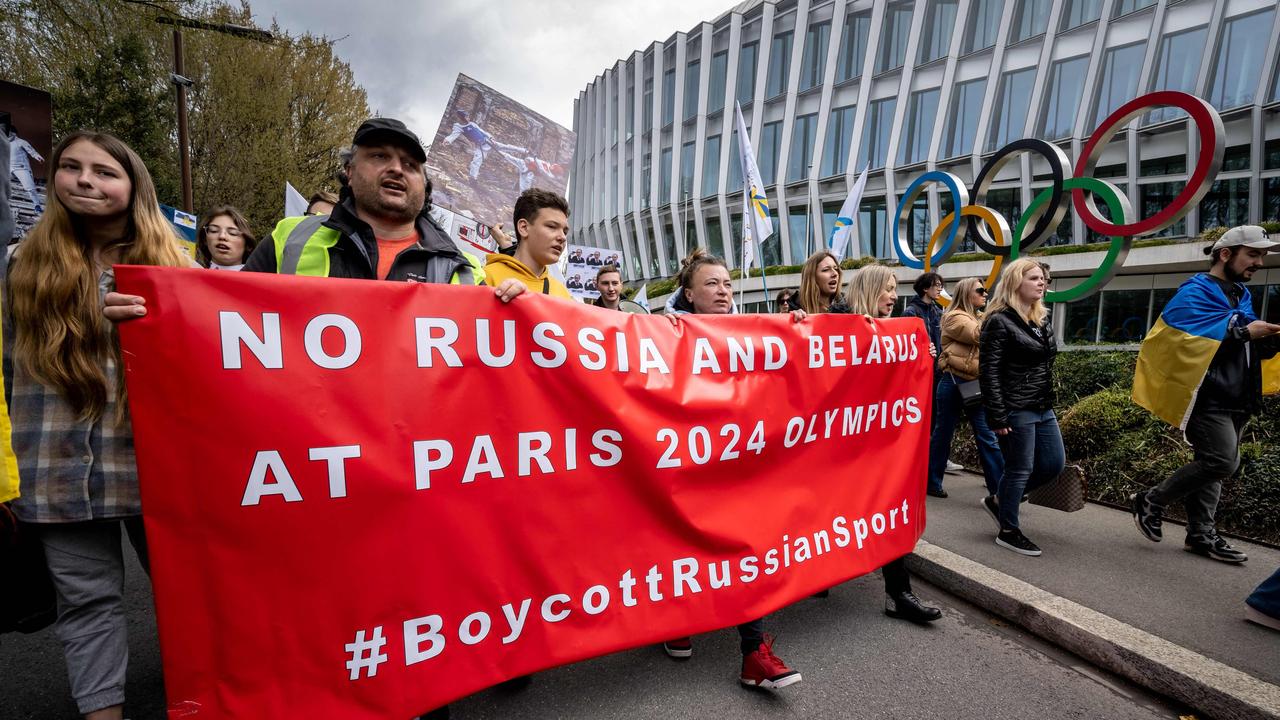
(26, 121)
(490, 148)
(453, 492)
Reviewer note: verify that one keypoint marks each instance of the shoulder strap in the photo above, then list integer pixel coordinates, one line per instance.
(296, 241)
(546, 286)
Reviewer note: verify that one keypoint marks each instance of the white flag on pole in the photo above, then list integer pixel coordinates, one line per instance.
(294, 204)
(756, 223)
(842, 233)
(642, 297)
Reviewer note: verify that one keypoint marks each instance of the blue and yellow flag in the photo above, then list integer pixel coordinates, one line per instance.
(8, 461)
(1176, 354)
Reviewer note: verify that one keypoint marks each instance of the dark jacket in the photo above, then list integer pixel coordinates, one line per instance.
(838, 305)
(1233, 382)
(931, 314)
(355, 255)
(1015, 366)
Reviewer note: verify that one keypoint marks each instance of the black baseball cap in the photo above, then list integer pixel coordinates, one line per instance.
(389, 129)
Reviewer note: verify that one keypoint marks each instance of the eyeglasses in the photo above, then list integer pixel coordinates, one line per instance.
(228, 231)
(981, 290)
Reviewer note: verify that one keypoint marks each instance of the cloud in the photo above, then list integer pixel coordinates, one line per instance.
(542, 54)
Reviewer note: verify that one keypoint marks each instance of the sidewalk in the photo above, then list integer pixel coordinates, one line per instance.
(1098, 559)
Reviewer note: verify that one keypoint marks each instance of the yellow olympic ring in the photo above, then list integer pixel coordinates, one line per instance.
(994, 220)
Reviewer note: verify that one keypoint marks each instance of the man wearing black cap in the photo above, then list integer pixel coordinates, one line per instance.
(380, 229)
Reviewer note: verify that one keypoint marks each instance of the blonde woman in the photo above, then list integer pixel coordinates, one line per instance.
(1015, 365)
(71, 431)
(820, 281)
(873, 291)
(958, 363)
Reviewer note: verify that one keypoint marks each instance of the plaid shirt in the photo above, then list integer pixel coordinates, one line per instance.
(70, 470)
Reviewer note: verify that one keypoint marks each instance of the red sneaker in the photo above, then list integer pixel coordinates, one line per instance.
(764, 669)
(679, 648)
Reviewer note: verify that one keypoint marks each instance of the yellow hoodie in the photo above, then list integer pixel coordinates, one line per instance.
(501, 267)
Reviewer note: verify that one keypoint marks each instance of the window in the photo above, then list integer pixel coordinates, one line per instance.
(853, 45)
(938, 25)
(1104, 212)
(1176, 64)
(664, 177)
(747, 72)
(802, 137)
(873, 228)
(1124, 316)
(1271, 199)
(835, 153)
(1062, 98)
(691, 76)
(770, 144)
(715, 90)
(919, 130)
(668, 97)
(1271, 154)
(1242, 48)
(1124, 7)
(1079, 12)
(686, 169)
(771, 248)
(918, 229)
(966, 108)
(1226, 205)
(629, 109)
(1081, 326)
(1119, 82)
(648, 104)
(1236, 157)
(710, 166)
(669, 244)
(815, 55)
(984, 23)
(1172, 165)
(875, 136)
(798, 230)
(630, 183)
(646, 180)
(715, 240)
(779, 64)
(735, 165)
(1032, 19)
(1012, 106)
(893, 42)
(651, 242)
(1158, 196)
(613, 108)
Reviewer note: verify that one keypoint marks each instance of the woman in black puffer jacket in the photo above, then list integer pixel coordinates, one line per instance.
(1015, 366)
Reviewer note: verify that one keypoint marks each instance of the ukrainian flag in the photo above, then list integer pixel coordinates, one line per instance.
(1176, 354)
(8, 461)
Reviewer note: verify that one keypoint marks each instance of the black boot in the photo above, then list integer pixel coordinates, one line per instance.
(906, 606)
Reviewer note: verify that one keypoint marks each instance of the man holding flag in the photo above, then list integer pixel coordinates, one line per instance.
(1201, 369)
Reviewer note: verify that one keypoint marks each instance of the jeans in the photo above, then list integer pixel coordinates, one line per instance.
(750, 635)
(1266, 598)
(1215, 440)
(949, 406)
(86, 561)
(1033, 456)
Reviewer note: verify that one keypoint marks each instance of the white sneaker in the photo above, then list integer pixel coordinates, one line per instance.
(1255, 616)
(953, 467)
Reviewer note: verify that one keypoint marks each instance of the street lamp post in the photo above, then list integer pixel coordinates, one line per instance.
(181, 83)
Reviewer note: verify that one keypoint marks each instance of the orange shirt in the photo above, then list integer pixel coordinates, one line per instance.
(389, 249)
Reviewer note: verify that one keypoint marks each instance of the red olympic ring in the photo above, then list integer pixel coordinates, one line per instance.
(1212, 148)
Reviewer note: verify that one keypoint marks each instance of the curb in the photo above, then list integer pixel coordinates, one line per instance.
(1211, 687)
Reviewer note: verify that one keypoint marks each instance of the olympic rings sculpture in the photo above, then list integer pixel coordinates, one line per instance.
(1049, 207)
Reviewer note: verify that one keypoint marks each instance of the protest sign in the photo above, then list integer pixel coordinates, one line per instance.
(387, 496)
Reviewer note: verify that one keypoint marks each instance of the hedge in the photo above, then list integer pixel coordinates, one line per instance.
(1123, 448)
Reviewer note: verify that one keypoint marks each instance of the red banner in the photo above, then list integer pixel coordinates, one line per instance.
(365, 500)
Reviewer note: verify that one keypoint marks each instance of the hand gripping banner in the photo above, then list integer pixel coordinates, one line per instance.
(365, 500)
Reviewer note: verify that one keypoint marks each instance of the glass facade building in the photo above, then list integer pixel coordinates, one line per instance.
(828, 87)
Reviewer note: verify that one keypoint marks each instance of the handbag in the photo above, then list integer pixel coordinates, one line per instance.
(970, 391)
(28, 602)
(1065, 492)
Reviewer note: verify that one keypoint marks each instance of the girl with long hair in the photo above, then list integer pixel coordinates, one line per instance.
(873, 291)
(225, 240)
(957, 364)
(1015, 365)
(820, 284)
(71, 431)
(704, 287)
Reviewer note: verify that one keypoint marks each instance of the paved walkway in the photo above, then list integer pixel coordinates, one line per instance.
(1097, 558)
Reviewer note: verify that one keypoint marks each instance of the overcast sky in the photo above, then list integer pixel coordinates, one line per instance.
(541, 53)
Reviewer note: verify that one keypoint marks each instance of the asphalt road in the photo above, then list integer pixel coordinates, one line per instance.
(856, 662)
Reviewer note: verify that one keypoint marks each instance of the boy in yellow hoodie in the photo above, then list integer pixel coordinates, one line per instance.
(542, 228)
